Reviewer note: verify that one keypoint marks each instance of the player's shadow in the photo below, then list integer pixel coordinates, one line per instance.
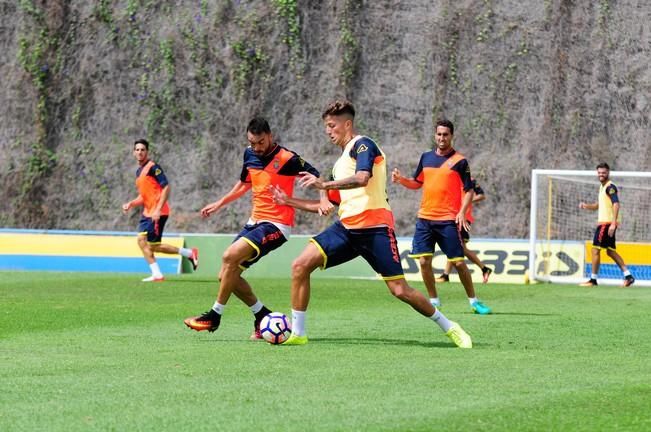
(532, 314)
(213, 280)
(349, 341)
(383, 341)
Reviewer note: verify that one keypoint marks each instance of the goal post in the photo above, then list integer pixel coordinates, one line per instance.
(560, 233)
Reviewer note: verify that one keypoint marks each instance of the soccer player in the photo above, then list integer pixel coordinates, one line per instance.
(365, 226)
(266, 165)
(608, 219)
(154, 190)
(444, 175)
(465, 236)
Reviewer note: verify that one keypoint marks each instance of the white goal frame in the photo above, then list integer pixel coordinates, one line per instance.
(535, 175)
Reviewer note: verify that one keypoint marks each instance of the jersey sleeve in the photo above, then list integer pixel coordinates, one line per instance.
(244, 174)
(611, 192)
(297, 164)
(477, 188)
(157, 172)
(365, 152)
(463, 168)
(418, 174)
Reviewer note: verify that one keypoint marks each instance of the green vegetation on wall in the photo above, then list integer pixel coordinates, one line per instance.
(38, 46)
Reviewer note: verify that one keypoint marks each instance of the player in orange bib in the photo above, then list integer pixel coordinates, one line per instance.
(154, 190)
(266, 165)
(444, 176)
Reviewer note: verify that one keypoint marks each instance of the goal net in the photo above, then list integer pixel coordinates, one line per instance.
(561, 233)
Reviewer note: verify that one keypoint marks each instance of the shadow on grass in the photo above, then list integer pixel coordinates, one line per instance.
(382, 341)
(514, 314)
(350, 341)
(191, 281)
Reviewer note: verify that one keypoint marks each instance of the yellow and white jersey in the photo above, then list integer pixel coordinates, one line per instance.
(368, 206)
(607, 197)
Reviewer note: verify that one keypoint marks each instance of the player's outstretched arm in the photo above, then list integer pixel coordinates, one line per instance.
(360, 179)
(409, 183)
(325, 205)
(238, 191)
(588, 206)
(281, 198)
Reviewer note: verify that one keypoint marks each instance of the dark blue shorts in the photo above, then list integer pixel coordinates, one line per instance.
(445, 234)
(378, 246)
(601, 238)
(263, 237)
(153, 230)
(465, 235)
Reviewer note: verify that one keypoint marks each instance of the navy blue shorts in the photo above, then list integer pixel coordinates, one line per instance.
(378, 246)
(263, 237)
(153, 230)
(465, 235)
(445, 234)
(601, 238)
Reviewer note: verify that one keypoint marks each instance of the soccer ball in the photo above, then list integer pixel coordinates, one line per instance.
(275, 328)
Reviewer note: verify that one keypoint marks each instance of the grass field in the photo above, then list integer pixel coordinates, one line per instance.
(106, 352)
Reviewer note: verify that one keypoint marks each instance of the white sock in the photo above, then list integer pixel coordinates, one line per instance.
(435, 301)
(257, 307)
(218, 307)
(185, 252)
(298, 322)
(627, 273)
(441, 320)
(155, 270)
(593, 276)
(471, 300)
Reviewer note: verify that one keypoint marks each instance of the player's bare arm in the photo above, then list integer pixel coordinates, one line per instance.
(409, 183)
(325, 206)
(165, 193)
(360, 179)
(478, 197)
(281, 198)
(238, 191)
(613, 226)
(588, 206)
(461, 216)
(133, 203)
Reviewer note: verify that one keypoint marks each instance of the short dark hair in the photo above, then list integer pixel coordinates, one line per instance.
(445, 123)
(603, 165)
(339, 107)
(258, 125)
(143, 142)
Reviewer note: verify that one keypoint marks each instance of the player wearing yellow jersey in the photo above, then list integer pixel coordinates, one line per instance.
(365, 226)
(609, 218)
(154, 189)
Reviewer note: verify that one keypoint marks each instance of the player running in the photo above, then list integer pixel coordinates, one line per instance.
(444, 175)
(266, 164)
(608, 219)
(365, 226)
(465, 236)
(154, 190)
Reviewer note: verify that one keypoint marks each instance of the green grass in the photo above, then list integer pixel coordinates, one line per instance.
(98, 352)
